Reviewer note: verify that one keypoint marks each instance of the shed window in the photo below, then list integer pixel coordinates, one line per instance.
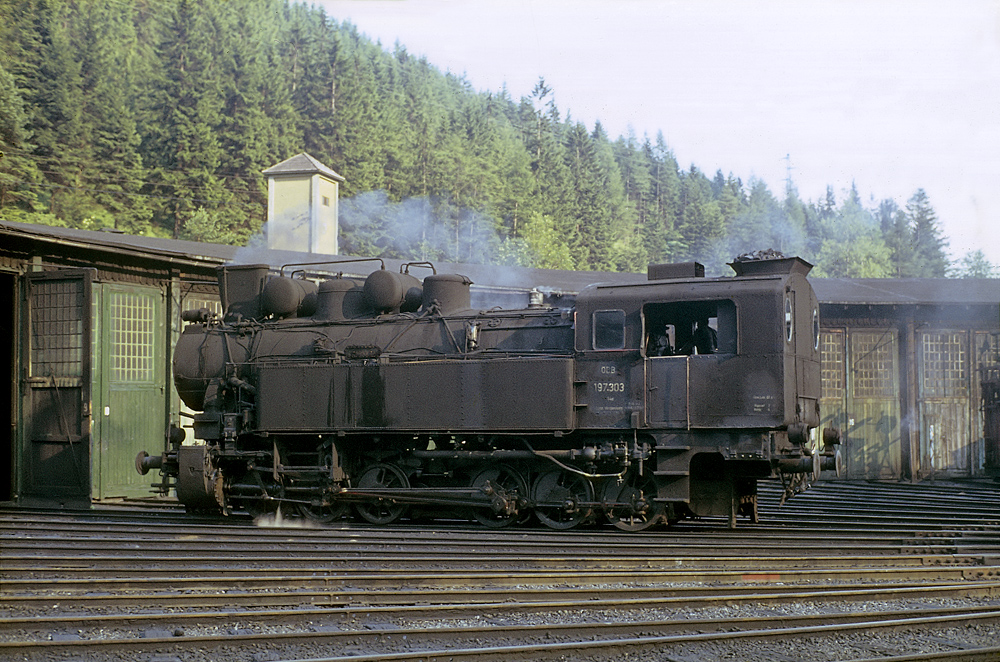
(132, 319)
(832, 363)
(609, 329)
(873, 366)
(57, 329)
(944, 359)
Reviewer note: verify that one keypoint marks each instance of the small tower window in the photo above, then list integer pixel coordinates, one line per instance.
(326, 201)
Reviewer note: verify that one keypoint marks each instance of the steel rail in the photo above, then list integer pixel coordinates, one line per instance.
(139, 541)
(384, 636)
(582, 637)
(450, 541)
(777, 524)
(369, 579)
(478, 600)
(541, 651)
(65, 567)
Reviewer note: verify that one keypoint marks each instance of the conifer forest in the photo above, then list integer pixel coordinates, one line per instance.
(157, 118)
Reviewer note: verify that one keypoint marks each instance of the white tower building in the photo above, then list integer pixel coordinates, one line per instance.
(302, 209)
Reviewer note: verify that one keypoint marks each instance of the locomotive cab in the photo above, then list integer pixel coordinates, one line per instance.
(720, 374)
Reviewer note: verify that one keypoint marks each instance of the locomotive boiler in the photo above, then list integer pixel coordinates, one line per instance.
(639, 404)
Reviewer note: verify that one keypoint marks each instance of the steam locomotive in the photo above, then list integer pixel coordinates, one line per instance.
(641, 404)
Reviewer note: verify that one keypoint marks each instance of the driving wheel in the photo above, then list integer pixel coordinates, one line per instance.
(559, 496)
(382, 510)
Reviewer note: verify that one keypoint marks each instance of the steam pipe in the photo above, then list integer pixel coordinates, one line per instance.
(281, 272)
(589, 453)
(428, 265)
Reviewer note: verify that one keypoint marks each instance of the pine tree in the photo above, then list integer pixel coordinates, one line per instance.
(257, 123)
(975, 264)
(55, 91)
(852, 244)
(541, 132)
(183, 144)
(898, 234)
(112, 70)
(663, 241)
(18, 173)
(626, 251)
(929, 256)
(802, 217)
(22, 193)
(701, 221)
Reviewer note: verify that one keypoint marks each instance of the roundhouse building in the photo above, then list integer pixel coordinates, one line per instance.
(902, 360)
(95, 316)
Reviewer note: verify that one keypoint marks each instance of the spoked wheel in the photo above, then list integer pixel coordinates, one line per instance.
(381, 510)
(323, 514)
(509, 484)
(558, 495)
(633, 506)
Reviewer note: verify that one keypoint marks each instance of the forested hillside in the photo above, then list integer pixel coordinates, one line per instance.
(158, 117)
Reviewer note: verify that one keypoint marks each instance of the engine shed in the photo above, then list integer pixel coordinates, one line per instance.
(95, 316)
(902, 366)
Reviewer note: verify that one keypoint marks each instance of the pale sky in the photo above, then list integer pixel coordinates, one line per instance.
(893, 95)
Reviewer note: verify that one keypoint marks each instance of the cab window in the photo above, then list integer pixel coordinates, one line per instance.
(609, 329)
(690, 328)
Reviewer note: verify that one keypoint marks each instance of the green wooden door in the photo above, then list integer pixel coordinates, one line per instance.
(130, 407)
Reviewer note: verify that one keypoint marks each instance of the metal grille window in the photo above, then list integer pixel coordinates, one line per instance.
(57, 329)
(987, 348)
(874, 364)
(132, 319)
(944, 361)
(832, 363)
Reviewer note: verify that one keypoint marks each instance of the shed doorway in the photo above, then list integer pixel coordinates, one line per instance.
(55, 464)
(8, 364)
(860, 377)
(129, 386)
(944, 402)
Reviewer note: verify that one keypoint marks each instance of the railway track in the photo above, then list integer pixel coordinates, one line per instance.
(888, 569)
